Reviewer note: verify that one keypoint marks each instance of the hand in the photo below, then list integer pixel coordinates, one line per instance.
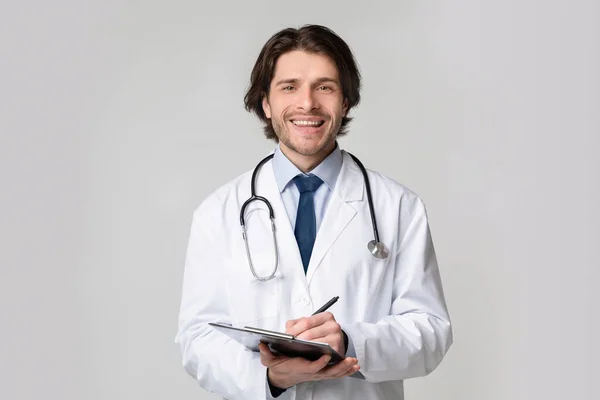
(284, 372)
(319, 328)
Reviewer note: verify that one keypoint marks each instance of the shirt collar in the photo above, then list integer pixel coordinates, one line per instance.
(328, 170)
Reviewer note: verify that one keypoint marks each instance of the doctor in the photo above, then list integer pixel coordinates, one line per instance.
(391, 320)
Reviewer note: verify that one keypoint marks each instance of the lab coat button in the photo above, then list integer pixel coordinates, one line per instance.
(304, 301)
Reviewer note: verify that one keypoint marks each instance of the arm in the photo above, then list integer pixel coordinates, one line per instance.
(218, 363)
(414, 338)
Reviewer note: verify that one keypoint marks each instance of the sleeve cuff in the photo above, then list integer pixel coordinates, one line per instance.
(350, 350)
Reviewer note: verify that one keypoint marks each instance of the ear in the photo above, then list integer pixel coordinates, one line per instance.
(345, 107)
(266, 107)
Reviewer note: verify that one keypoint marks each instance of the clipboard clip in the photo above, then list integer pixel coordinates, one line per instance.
(285, 336)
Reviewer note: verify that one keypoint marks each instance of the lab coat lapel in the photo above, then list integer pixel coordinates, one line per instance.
(348, 188)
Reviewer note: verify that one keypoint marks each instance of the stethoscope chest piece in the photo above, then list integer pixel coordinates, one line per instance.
(377, 249)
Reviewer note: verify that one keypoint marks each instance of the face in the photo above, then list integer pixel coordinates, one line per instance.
(305, 103)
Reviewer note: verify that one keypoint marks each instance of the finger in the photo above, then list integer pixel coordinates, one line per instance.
(263, 348)
(340, 369)
(291, 323)
(304, 324)
(315, 366)
(329, 329)
(314, 333)
(335, 341)
(299, 365)
(349, 371)
(295, 326)
(267, 358)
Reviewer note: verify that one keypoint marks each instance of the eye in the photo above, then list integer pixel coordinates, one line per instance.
(324, 88)
(287, 88)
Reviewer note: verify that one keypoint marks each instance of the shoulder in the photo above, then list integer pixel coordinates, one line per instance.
(388, 189)
(223, 197)
(395, 188)
(408, 203)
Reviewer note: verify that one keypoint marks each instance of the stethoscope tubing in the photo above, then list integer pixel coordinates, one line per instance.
(369, 197)
(375, 247)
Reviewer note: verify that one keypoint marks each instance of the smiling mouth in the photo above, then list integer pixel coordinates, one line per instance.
(307, 123)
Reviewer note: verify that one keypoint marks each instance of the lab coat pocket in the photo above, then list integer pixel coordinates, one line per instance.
(252, 302)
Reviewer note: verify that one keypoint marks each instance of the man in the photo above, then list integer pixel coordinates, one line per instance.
(391, 322)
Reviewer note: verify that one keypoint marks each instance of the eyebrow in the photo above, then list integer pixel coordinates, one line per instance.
(318, 81)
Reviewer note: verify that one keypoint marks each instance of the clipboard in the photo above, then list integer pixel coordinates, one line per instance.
(278, 342)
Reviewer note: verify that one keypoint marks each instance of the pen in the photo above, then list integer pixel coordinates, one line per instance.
(327, 305)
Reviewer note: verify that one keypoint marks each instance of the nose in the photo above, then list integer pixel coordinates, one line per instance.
(307, 100)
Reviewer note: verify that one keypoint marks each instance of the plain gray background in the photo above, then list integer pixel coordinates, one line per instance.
(119, 117)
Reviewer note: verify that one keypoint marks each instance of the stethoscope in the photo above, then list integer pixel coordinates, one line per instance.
(376, 248)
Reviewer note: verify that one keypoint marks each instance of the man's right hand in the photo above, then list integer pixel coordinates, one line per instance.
(285, 372)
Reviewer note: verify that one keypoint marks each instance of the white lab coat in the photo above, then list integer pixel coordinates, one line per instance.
(393, 310)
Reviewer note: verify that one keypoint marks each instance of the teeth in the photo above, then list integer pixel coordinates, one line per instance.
(306, 123)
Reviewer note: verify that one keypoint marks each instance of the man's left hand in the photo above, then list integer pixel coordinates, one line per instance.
(319, 328)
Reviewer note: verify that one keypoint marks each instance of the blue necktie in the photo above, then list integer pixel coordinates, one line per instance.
(306, 222)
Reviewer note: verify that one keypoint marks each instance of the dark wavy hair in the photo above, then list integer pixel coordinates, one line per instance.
(312, 39)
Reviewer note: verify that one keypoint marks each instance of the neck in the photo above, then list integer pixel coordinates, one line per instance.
(307, 163)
